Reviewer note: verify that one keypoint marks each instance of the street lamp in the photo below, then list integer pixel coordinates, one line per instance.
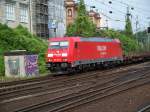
(30, 15)
(110, 2)
(107, 24)
(110, 12)
(132, 8)
(149, 20)
(148, 33)
(92, 7)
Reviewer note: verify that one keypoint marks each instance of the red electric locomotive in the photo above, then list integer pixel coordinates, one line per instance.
(76, 53)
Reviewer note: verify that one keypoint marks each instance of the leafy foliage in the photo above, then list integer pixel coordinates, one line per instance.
(128, 27)
(82, 26)
(20, 39)
(143, 39)
(129, 45)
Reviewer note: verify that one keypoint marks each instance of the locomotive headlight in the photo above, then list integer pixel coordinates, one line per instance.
(50, 55)
(50, 60)
(65, 59)
(64, 54)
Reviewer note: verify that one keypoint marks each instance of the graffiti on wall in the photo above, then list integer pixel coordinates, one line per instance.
(31, 65)
(14, 67)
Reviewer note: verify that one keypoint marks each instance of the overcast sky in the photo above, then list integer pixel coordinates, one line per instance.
(119, 9)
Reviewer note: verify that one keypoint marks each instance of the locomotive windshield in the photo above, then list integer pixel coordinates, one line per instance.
(59, 45)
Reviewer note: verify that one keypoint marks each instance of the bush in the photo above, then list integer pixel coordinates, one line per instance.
(2, 66)
(20, 39)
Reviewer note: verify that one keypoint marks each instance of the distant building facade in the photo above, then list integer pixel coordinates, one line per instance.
(71, 11)
(40, 18)
(36, 15)
(95, 18)
(45, 13)
(57, 18)
(15, 12)
(71, 14)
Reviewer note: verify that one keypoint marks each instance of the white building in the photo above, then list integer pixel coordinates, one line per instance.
(15, 12)
(35, 15)
(57, 16)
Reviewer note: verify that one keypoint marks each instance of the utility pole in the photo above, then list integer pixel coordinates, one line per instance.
(148, 37)
(54, 20)
(107, 24)
(137, 23)
(128, 26)
(128, 12)
(92, 7)
(30, 15)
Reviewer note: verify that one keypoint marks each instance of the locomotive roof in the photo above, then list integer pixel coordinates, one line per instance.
(97, 39)
(91, 39)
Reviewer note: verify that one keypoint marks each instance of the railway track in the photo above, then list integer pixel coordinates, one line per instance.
(68, 88)
(23, 83)
(9, 84)
(90, 94)
(50, 86)
(45, 86)
(16, 82)
(145, 109)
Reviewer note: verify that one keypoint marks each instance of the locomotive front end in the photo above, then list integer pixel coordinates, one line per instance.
(57, 55)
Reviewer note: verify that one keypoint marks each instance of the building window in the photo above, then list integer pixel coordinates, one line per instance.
(23, 13)
(69, 12)
(10, 11)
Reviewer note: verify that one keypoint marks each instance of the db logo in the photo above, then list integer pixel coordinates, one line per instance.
(57, 51)
(101, 48)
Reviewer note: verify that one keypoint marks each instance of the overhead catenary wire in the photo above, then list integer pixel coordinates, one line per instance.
(108, 18)
(126, 4)
(105, 15)
(120, 12)
(136, 10)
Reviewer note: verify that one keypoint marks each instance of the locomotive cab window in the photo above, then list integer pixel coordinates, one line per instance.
(59, 45)
(76, 45)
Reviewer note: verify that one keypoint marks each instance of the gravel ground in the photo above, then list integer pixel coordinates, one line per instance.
(129, 101)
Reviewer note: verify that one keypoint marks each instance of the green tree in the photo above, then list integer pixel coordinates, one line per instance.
(129, 45)
(143, 39)
(82, 26)
(128, 27)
